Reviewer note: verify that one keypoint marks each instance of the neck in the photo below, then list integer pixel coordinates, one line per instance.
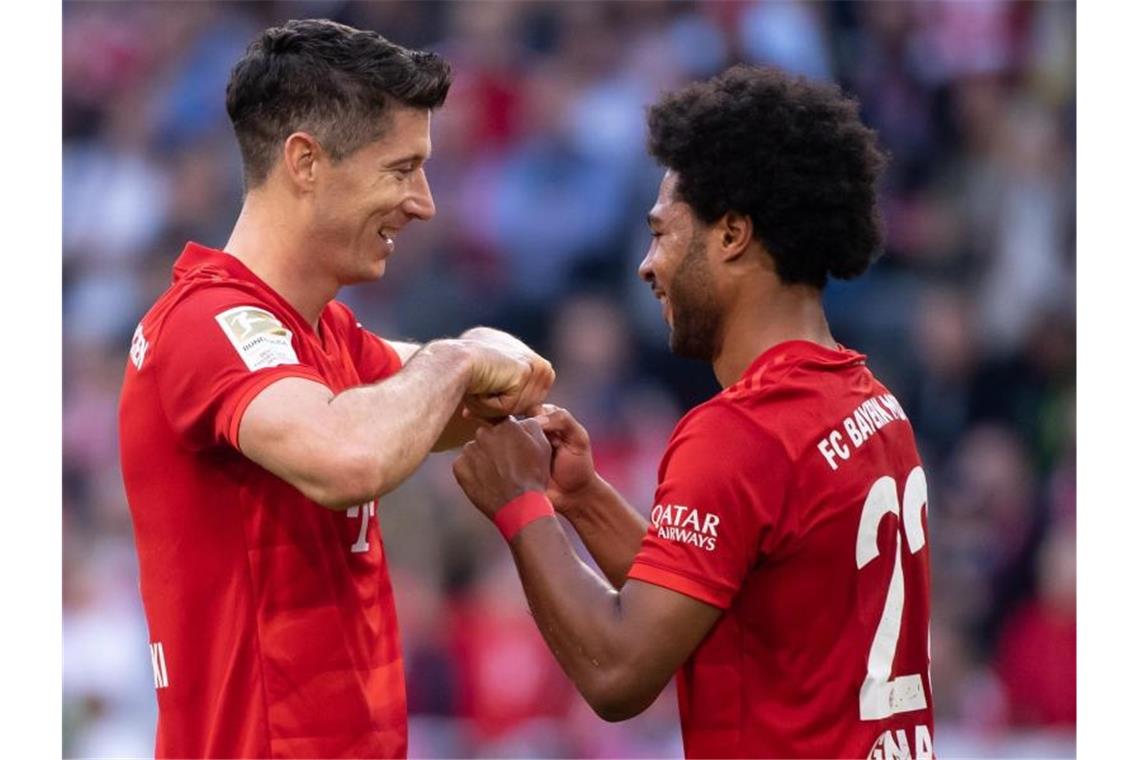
(273, 247)
(782, 313)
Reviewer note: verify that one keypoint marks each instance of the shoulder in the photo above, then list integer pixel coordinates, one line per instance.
(200, 318)
(724, 433)
(704, 419)
(723, 418)
(240, 314)
(341, 320)
(797, 403)
(341, 316)
(375, 357)
(204, 299)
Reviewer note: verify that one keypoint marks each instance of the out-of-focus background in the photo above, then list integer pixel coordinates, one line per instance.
(542, 183)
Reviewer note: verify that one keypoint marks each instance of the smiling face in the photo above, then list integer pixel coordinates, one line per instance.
(677, 268)
(362, 201)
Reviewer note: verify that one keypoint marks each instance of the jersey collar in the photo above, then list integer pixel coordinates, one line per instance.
(790, 353)
(196, 257)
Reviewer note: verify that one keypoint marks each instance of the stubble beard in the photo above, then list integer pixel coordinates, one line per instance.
(696, 315)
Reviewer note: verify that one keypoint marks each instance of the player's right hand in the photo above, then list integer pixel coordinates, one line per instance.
(572, 470)
(506, 378)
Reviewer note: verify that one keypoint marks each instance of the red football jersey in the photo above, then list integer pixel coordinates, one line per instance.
(794, 500)
(271, 618)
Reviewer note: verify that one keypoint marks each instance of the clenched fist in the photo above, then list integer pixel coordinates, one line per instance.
(502, 463)
(507, 376)
(572, 467)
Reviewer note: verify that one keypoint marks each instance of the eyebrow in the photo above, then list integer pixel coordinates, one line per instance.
(409, 159)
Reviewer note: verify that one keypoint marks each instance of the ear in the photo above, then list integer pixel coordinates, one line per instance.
(732, 235)
(299, 160)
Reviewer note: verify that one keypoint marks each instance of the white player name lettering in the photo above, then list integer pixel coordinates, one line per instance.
(893, 745)
(676, 522)
(139, 347)
(857, 428)
(158, 664)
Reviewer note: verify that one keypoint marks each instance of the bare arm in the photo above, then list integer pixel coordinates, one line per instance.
(620, 648)
(611, 643)
(345, 449)
(609, 527)
(461, 427)
(404, 349)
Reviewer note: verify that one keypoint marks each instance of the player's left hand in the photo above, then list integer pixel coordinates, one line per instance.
(502, 463)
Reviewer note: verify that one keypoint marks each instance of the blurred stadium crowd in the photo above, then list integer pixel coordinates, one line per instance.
(542, 184)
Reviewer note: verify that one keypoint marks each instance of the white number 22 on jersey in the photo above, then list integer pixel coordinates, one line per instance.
(880, 695)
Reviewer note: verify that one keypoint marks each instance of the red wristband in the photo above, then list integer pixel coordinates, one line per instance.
(522, 511)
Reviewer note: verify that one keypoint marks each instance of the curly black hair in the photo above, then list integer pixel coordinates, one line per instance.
(327, 78)
(790, 153)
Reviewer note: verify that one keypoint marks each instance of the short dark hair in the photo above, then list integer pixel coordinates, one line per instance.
(790, 153)
(328, 79)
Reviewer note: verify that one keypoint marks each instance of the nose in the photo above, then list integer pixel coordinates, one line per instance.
(419, 203)
(645, 268)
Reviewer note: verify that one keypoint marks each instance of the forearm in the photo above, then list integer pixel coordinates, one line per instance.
(395, 423)
(620, 647)
(609, 527)
(578, 613)
(460, 429)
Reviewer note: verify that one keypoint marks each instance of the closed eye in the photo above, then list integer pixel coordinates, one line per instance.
(404, 170)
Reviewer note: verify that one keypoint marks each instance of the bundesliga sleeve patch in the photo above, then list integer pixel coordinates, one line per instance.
(259, 337)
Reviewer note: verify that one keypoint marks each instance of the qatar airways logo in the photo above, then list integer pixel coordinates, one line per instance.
(685, 525)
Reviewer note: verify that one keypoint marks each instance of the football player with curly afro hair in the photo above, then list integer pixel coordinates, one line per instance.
(783, 574)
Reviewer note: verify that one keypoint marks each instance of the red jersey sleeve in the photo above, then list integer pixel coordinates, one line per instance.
(718, 507)
(375, 359)
(216, 350)
(378, 359)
